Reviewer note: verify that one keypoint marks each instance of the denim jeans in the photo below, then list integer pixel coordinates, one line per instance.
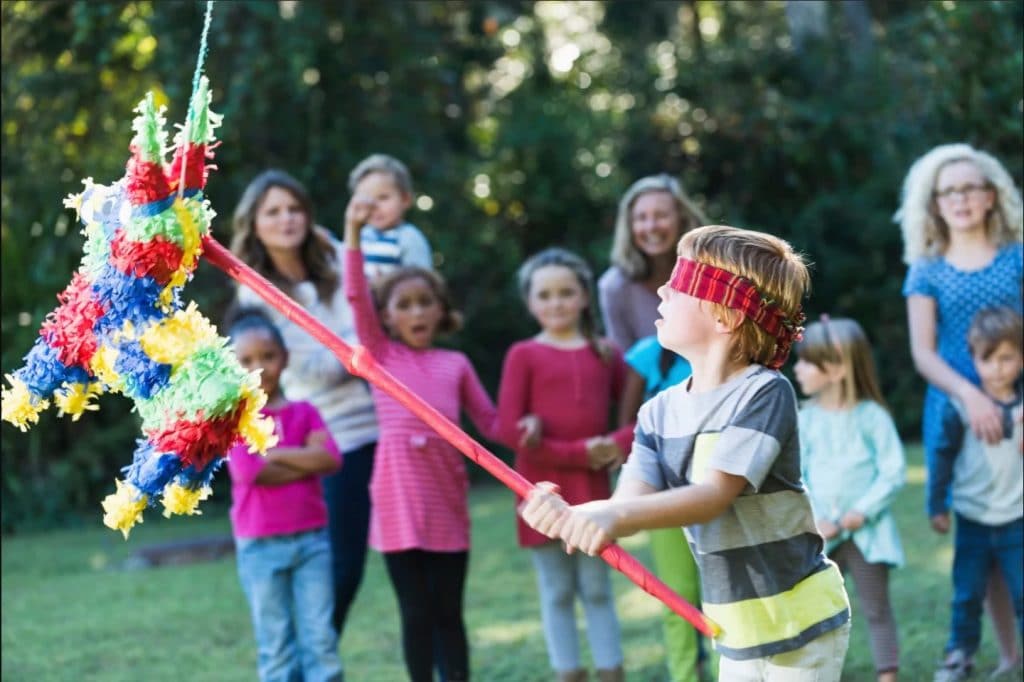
(560, 577)
(287, 580)
(976, 547)
(347, 494)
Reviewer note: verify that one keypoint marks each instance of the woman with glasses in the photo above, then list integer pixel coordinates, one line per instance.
(961, 223)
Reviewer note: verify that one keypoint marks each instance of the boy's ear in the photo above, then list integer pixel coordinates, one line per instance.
(406, 200)
(727, 321)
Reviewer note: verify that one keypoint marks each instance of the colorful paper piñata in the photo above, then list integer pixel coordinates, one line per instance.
(121, 327)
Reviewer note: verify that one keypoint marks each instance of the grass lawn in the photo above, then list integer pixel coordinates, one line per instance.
(70, 612)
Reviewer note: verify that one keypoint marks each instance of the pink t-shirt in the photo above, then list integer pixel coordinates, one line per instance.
(259, 510)
(419, 485)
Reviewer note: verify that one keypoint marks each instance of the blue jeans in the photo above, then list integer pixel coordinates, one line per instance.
(347, 494)
(560, 577)
(287, 580)
(976, 547)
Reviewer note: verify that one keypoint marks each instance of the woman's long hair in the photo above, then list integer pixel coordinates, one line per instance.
(316, 251)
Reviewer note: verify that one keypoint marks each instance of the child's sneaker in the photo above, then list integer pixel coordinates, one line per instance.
(956, 667)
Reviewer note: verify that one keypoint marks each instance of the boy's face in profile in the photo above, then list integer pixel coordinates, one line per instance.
(389, 201)
(1000, 370)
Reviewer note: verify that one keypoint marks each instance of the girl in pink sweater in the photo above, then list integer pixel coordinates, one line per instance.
(419, 517)
(570, 379)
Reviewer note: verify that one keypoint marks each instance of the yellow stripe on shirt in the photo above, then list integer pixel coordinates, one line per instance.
(756, 622)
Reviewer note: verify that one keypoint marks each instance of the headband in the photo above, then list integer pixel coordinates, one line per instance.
(716, 285)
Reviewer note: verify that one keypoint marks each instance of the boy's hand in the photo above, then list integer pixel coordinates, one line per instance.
(589, 527)
(940, 523)
(852, 520)
(530, 428)
(827, 529)
(544, 510)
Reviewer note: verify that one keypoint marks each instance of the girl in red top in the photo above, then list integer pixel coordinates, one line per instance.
(568, 378)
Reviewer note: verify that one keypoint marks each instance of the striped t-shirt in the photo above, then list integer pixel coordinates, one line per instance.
(764, 576)
(386, 250)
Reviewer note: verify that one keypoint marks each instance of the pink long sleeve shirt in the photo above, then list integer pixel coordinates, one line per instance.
(259, 510)
(419, 485)
(572, 391)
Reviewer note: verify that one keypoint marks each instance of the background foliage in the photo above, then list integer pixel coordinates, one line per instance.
(522, 123)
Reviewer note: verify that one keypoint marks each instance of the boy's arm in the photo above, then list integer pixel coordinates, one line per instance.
(415, 247)
(635, 506)
(951, 439)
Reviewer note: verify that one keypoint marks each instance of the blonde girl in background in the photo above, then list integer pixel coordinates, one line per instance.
(852, 462)
(962, 231)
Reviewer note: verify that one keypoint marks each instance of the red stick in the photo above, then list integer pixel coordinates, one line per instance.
(360, 362)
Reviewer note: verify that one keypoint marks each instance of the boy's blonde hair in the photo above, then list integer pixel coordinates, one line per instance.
(779, 274)
(990, 327)
(841, 341)
(382, 163)
(624, 254)
(925, 233)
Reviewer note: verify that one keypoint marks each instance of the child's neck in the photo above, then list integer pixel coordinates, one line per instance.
(561, 338)
(831, 398)
(276, 399)
(712, 368)
(1003, 394)
(969, 249)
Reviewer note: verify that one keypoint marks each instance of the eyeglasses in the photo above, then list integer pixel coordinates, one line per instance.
(963, 190)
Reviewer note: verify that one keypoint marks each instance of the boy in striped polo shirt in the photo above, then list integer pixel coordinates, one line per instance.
(719, 455)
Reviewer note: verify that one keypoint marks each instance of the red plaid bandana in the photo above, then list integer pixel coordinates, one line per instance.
(716, 285)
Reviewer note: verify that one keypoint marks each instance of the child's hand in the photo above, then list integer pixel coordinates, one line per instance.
(601, 452)
(852, 520)
(544, 510)
(589, 527)
(357, 213)
(827, 529)
(940, 523)
(530, 428)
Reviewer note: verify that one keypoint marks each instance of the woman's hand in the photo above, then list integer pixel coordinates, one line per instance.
(940, 523)
(984, 414)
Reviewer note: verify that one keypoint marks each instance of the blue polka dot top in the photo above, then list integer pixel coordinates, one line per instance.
(960, 294)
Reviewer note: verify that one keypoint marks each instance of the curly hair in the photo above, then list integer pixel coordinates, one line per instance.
(925, 233)
(625, 255)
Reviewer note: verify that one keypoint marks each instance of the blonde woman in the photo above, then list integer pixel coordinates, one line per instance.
(653, 214)
(962, 231)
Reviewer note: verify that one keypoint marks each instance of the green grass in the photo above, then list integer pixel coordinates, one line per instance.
(71, 613)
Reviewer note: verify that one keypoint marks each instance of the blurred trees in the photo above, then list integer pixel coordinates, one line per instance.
(522, 123)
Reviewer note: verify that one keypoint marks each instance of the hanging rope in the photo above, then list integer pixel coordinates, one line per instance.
(200, 62)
